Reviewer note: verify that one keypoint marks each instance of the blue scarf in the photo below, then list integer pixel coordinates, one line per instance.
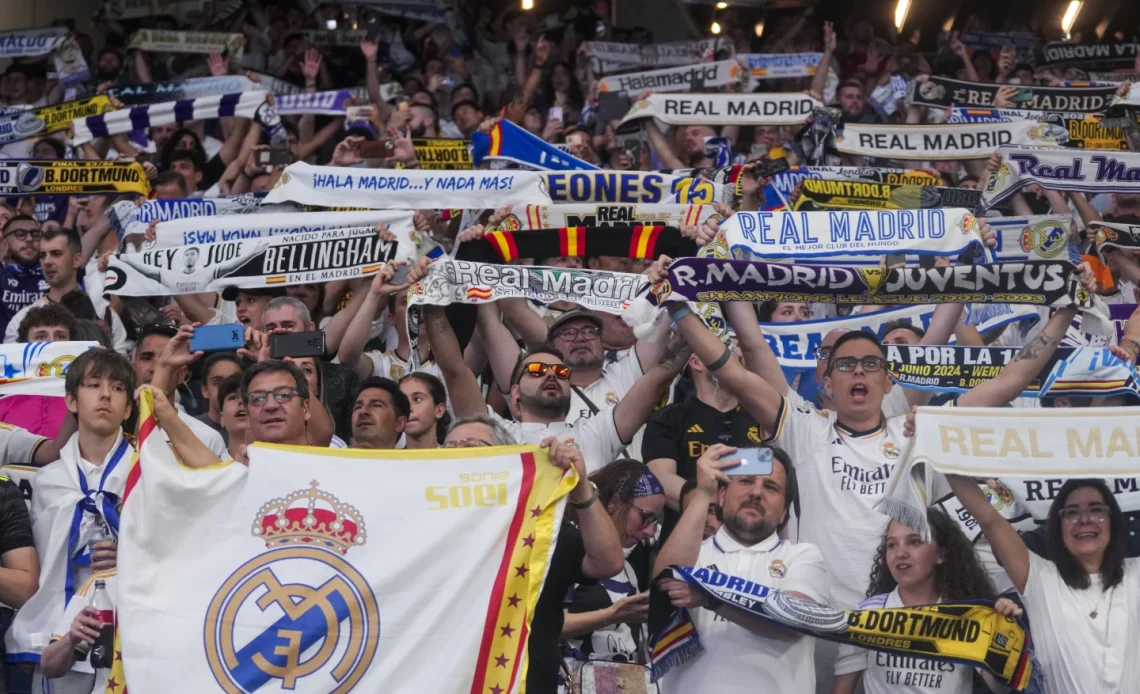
(109, 512)
(512, 143)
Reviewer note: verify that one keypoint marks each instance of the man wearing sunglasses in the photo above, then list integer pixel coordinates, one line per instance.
(845, 456)
(23, 279)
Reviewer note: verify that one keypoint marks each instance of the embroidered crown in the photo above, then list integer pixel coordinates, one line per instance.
(310, 517)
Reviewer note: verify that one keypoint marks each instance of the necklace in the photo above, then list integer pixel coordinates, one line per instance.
(1096, 608)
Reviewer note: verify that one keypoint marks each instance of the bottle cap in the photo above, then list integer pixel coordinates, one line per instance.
(100, 583)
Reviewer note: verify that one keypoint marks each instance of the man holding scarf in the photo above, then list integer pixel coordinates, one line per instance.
(75, 510)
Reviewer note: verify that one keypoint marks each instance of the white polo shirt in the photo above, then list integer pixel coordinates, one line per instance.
(597, 437)
(735, 660)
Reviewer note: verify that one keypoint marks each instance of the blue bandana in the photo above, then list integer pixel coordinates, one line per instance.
(647, 485)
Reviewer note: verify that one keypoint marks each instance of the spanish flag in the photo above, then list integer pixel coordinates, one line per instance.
(572, 242)
(504, 244)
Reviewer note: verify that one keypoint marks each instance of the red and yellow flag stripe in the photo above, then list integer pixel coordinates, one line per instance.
(504, 244)
(643, 242)
(572, 242)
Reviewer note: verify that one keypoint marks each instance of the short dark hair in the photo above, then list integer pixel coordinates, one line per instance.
(275, 366)
(464, 102)
(73, 243)
(79, 304)
(399, 401)
(55, 145)
(1112, 565)
(851, 336)
(50, 313)
(90, 331)
(904, 324)
(99, 363)
(547, 348)
(231, 384)
(18, 218)
(149, 329)
(791, 486)
(172, 178)
(191, 155)
(217, 358)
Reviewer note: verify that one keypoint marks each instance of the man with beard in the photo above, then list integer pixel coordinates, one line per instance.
(423, 122)
(23, 279)
(743, 653)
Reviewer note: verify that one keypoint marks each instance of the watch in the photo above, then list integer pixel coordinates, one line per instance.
(588, 502)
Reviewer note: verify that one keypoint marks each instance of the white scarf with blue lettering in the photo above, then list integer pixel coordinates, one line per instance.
(868, 233)
(1079, 170)
(199, 230)
(28, 42)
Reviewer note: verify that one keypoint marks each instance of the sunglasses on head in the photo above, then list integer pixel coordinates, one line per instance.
(538, 369)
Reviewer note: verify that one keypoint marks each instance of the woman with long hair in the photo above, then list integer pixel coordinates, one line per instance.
(1083, 598)
(606, 621)
(909, 572)
(429, 418)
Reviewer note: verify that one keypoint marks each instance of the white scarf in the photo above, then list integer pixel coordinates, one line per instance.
(338, 186)
(937, 142)
(609, 56)
(38, 368)
(28, 42)
(809, 235)
(162, 41)
(195, 231)
(59, 491)
(128, 218)
(675, 79)
(770, 66)
(244, 105)
(1084, 171)
(725, 109)
(276, 261)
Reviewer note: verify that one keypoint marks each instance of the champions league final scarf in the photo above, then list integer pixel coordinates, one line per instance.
(243, 105)
(725, 109)
(38, 368)
(797, 235)
(322, 103)
(785, 182)
(621, 240)
(944, 92)
(442, 154)
(50, 119)
(771, 66)
(1122, 237)
(128, 218)
(1084, 130)
(971, 633)
(507, 141)
(275, 261)
(297, 545)
(818, 194)
(61, 177)
(939, 142)
(335, 186)
(162, 41)
(1082, 371)
(176, 90)
(1063, 169)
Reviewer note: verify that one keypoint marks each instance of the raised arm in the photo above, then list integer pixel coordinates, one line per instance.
(660, 144)
(1008, 546)
(351, 350)
(684, 543)
(819, 79)
(502, 350)
(462, 386)
(188, 447)
(1024, 367)
(604, 557)
(758, 355)
(634, 409)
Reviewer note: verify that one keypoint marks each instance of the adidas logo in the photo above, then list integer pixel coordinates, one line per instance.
(696, 429)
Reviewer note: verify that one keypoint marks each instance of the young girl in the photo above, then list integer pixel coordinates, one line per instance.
(909, 572)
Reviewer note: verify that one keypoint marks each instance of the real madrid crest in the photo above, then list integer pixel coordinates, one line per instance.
(298, 613)
(776, 568)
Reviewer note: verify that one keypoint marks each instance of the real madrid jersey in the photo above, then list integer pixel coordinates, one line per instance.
(390, 365)
(736, 660)
(841, 474)
(895, 673)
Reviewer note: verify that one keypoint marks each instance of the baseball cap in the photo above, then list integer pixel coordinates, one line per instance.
(574, 315)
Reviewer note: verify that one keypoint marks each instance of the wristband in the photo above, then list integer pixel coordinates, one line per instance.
(679, 310)
(721, 360)
(581, 506)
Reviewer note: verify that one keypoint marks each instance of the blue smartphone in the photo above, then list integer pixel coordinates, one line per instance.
(217, 338)
(753, 461)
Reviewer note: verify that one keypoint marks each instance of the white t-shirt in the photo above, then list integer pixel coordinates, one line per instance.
(1080, 654)
(735, 660)
(841, 476)
(205, 433)
(892, 673)
(17, 445)
(597, 437)
(390, 365)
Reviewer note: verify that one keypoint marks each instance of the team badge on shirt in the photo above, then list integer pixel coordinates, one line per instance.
(776, 569)
(754, 434)
(611, 398)
(891, 451)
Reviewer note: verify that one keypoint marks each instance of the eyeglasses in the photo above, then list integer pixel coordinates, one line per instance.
(648, 519)
(538, 370)
(571, 334)
(822, 353)
(1097, 513)
(870, 364)
(282, 395)
(23, 234)
(467, 443)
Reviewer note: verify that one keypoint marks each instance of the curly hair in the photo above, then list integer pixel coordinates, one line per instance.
(960, 576)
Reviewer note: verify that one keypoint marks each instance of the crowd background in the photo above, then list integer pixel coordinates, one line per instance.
(649, 418)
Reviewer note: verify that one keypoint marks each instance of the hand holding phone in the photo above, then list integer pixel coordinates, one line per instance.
(217, 338)
(753, 462)
(306, 344)
(375, 149)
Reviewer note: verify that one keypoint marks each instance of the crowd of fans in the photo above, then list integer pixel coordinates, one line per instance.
(655, 422)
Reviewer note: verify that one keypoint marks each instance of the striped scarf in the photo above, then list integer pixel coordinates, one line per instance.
(244, 105)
